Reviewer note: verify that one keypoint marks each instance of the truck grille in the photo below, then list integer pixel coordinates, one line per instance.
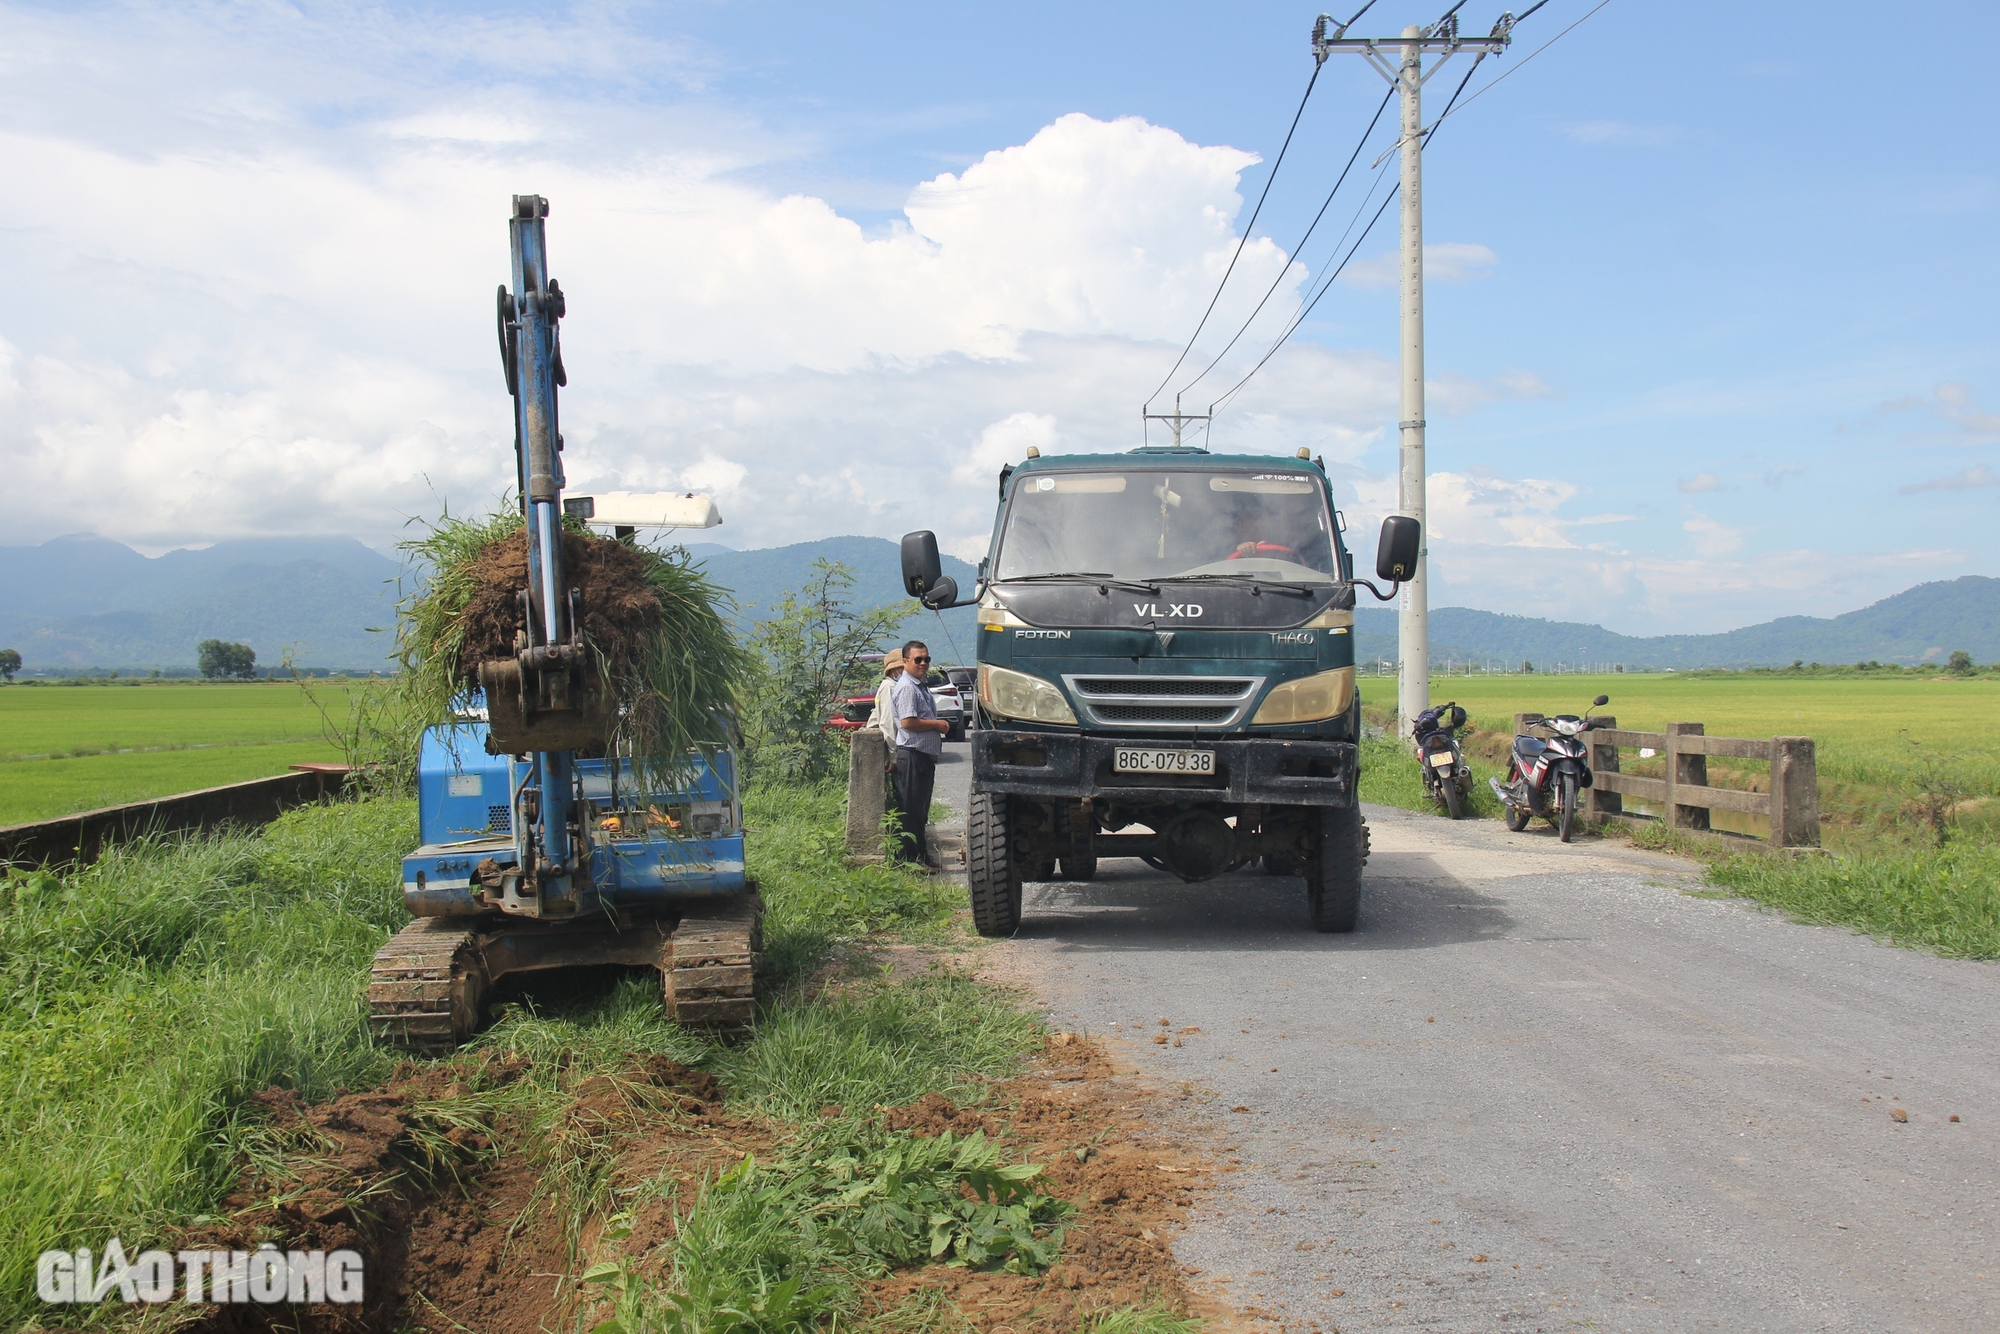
(1215, 687)
(1185, 715)
(1164, 701)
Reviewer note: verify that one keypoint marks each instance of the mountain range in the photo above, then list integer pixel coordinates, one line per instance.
(89, 602)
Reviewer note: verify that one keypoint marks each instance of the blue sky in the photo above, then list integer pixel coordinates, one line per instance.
(1711, 325)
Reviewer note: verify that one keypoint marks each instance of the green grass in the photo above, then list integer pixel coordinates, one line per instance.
(879, 1047)
(74, 748)
(1945, 900)
(1390, 777)
(796, 842)
(144, 998)
(45, 789)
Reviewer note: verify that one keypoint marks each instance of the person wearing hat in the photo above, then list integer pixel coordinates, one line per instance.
(892, 667)
(883, 719)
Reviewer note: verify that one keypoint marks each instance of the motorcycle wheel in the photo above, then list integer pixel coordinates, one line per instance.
(1454, 800)
(1567, 816)
(1517, 818)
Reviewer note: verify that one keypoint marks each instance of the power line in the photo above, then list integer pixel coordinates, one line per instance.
(1293, 327)
(1450, 106)
(1277, 281)
(1524, 59)
(1242, 240)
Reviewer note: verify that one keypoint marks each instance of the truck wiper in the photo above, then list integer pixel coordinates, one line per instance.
(1261, 582)
(1100, 575)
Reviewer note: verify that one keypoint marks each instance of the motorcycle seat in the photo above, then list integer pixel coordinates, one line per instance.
(1529, 746)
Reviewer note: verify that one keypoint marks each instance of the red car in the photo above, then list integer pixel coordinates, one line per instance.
(851, 715)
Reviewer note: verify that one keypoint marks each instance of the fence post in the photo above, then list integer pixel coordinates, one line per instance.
(1794, 793)
(1691, 770)
(1604, 760)
(867, 791)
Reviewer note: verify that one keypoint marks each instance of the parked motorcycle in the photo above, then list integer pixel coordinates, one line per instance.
(1546, 777)
(1446, 778)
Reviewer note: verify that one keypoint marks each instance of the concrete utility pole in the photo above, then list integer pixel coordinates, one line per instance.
(1408, 75)
(1176, 419)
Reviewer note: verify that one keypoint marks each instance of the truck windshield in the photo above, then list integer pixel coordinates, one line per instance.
(1147, 524)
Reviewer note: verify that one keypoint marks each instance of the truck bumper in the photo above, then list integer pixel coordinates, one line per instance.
(1248, 770)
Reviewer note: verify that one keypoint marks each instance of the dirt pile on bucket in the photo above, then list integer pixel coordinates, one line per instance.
(652, 622)
(621, 609)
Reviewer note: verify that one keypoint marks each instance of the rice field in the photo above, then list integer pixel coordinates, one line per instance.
(75, 748)
(1860, 723)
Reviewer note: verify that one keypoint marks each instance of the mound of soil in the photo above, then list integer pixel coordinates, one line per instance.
(471, 1243)
(1132, 1188)
(467, 1242)
(620, 609)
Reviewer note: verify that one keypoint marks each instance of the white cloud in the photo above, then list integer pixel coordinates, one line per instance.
(1701, 481)
(1952, 402)
(254, 297)
(1003, 442)
(1712, 538)
(1445, 262)
(1965, 479)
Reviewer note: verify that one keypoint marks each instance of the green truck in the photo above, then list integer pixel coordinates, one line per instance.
(1166, 671)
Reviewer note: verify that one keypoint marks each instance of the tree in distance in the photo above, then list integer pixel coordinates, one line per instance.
(1960, 663)
(219, 658)
(10, 662)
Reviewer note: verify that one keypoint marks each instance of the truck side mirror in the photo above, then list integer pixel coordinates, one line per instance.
(1395, 558)
(942, 593)
(921, 569)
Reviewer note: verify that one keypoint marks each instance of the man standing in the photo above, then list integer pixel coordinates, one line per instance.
(883, 716)
(920, 737)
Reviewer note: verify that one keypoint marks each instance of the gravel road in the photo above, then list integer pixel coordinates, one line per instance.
(1547, 1087)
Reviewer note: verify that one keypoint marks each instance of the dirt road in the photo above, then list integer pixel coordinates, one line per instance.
(1545, 1087)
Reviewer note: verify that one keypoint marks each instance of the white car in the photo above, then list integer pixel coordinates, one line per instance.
(950, 707)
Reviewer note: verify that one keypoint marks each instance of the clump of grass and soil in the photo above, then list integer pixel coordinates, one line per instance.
(899, 1146)
(652, 621)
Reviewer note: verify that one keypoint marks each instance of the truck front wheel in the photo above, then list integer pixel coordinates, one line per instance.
(992, 875)
(1333, 870)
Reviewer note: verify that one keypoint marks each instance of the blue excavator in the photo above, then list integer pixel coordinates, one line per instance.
(542, 847)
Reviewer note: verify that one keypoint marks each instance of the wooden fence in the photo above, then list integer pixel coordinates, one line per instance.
(1685, 799)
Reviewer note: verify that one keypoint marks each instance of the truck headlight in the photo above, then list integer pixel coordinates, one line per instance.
(1309, 699)
(1008, 694)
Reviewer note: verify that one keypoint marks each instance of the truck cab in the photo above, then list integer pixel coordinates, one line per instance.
(1165, 671)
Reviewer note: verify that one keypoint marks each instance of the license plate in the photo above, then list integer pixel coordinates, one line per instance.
(1441, 760)
(1134, 761)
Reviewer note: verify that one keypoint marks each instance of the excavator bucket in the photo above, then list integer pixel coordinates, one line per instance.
(517, 724)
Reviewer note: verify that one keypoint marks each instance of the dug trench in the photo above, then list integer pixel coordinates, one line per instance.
(470, 1211)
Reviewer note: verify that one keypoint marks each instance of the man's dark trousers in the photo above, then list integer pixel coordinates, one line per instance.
(916, 776)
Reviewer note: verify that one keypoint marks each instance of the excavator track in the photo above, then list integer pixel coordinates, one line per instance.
(425, 988)
(429, 981)
(709, 966)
